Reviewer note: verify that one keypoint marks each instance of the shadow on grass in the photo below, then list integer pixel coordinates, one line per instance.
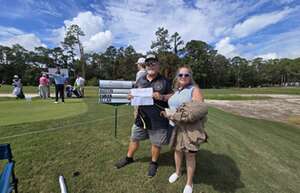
(217, 170)
(165, 159)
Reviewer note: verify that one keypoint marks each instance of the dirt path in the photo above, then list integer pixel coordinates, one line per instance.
(284, 108)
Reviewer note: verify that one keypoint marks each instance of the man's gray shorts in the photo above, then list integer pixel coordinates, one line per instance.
(157, 137)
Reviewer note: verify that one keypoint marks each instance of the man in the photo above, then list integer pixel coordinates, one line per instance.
(141, 68)
(157, 127)
(59, 80)
(79, 85)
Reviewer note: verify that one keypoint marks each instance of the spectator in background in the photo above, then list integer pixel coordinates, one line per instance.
(17, 87)
(59, 80)
(79, 85)
(141, 68)
(43, 86)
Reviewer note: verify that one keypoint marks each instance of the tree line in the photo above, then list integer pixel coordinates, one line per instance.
(210, 68)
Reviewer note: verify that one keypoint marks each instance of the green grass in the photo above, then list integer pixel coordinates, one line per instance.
(207, 92)
(14, 111)
(7, 89)
(243, 155)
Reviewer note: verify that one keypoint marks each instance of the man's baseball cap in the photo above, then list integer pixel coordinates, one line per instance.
(151, 57)
(141, 61)
(16, 77)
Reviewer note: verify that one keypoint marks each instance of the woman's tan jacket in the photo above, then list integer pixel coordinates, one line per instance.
(189, 121)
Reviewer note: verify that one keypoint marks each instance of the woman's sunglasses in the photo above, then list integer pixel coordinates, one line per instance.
(180, 75)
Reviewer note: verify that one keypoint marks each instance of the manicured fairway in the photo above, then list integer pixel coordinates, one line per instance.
(243, 155)
(208, 92)
(21, 111)
(263, 90)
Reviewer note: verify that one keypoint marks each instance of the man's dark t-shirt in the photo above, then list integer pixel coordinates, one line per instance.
(151, 114)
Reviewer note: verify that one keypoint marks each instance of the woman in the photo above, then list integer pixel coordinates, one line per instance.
(43, 86)
(186, 99)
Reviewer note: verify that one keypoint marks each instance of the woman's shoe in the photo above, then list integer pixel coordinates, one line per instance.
(173, 178)
(188, 189)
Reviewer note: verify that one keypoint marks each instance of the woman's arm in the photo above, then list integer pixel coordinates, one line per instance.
(197, 95)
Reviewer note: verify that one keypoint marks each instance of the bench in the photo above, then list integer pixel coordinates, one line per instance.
(8, 180)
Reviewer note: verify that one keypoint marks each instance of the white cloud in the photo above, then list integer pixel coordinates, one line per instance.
(88, 22)
(268, 56)
(222, 15)
(266, 47)
(135, 22)
(286, 1)
(10, 36)
(226, 48)
(99, 41)
(28, 41)
(258, 22)
(284, 45)
(95, 39)
(8, 32)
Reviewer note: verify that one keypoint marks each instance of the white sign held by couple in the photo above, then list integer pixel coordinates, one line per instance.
(141, 96)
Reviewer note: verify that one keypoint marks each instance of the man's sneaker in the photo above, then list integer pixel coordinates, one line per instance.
(123, 162)
(152, 169)
(55, 102)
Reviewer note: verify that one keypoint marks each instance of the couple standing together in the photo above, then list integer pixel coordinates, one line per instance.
(187, 113)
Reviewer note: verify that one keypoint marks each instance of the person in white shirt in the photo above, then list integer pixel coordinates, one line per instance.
(17, 87)
(79, 85)
(141, 67)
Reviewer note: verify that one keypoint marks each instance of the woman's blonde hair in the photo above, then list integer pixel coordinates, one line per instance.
(176, 82)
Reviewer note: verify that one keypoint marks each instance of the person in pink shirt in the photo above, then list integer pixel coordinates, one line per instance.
(43, 86)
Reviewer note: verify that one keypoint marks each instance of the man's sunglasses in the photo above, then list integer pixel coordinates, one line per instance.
(180, 75)
(151, 63)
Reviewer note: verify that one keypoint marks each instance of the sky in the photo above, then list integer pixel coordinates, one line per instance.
(246, 28)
